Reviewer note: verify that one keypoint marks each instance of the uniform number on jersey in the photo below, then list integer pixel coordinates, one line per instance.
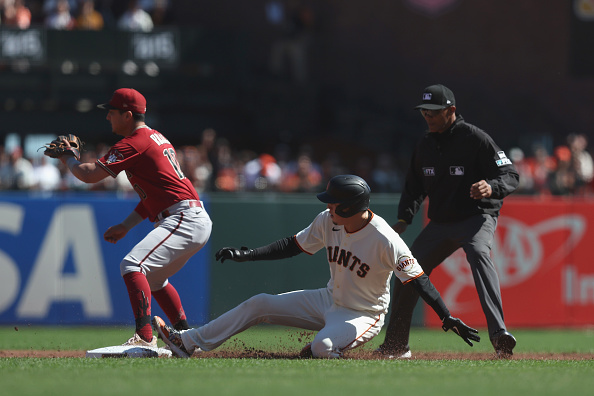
(170, 154)
(136, 187)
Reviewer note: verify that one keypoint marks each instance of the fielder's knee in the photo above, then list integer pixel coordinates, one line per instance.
(127, 267)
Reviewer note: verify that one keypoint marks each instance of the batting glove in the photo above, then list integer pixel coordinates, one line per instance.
(460, 328)
(231, 253)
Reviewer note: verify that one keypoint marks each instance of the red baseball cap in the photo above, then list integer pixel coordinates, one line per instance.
(126, 99)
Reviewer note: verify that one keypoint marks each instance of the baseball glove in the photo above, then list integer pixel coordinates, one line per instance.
(64, 144)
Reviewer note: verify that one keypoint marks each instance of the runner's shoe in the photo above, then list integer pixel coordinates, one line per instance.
(171, 337)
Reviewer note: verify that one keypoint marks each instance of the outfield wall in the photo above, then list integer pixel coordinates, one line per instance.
(55, 267)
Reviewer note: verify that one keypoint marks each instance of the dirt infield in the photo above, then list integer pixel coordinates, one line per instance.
(355, 355)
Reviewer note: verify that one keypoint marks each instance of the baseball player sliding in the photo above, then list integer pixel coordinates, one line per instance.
(167, 197)
(363, 252)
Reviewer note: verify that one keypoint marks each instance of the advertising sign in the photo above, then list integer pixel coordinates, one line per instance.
(542, 252)
(56, 268)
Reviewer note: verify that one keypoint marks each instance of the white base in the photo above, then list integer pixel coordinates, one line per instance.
(132, 351)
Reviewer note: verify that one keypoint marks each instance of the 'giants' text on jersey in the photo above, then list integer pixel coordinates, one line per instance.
(347, 260)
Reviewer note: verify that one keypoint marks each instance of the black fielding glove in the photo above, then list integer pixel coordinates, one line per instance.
(460, 328)
(231, 253)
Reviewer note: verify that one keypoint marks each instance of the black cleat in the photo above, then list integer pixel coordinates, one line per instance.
(504, 343)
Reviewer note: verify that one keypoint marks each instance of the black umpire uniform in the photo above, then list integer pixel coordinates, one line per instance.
(443, 167)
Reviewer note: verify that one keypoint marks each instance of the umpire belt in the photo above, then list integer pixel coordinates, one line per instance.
(178, 208)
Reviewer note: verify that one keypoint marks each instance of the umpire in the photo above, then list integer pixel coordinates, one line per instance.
(466, 176)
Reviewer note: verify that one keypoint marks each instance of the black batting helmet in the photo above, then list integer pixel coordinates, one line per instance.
(350, 191)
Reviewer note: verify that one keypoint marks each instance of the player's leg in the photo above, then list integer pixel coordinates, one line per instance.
(478, 253)
(404, 300)
(430, 248)
(167, 248)
(302, 309)
(170, 302)
(345, 329)
(139, 293)
(172, 244)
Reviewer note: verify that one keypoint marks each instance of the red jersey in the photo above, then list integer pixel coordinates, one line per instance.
(150, 163)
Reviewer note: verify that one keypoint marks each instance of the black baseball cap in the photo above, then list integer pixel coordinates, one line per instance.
(437, 97)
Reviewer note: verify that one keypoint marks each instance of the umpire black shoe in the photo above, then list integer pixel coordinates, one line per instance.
(504, 343)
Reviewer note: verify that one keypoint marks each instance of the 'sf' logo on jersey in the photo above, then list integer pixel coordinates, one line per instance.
(429, 171)
(114, 156)
(456, 170)
(405, 262)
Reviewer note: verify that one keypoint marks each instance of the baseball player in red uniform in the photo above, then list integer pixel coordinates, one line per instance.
(363, 252)
(167, 198)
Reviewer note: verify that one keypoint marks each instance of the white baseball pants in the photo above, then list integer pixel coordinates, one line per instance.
(167, 248)
(339, 328)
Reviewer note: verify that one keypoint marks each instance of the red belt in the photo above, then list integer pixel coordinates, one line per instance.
(191, 204)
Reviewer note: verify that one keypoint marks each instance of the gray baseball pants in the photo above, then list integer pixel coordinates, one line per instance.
(435, 243)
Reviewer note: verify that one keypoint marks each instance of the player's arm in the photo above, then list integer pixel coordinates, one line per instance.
(283, 248)
(87, 172)
(431, 296)
(118, 231)
(498, 170)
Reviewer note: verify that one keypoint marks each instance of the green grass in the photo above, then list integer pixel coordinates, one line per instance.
(76, 376)
(274, 338)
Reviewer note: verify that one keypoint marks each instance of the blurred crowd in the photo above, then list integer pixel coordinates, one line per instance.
(568, 170)
(133, 15)
(215, 165)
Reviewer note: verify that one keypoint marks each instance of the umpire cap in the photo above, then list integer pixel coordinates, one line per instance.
(350, 191)
(437, 97)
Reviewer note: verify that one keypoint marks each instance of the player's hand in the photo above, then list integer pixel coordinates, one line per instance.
(231, 253)
(480, 190)
(460, 328)
(64, 140)
(115, 233)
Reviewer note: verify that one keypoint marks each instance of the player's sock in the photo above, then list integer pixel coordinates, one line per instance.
(181, 325)
(169, 301)
(139, 292)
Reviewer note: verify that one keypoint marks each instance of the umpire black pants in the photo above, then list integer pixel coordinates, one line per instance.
(435, 243)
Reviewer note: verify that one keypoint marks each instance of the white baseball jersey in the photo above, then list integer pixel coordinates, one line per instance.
(361, 263)
(348, 312)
